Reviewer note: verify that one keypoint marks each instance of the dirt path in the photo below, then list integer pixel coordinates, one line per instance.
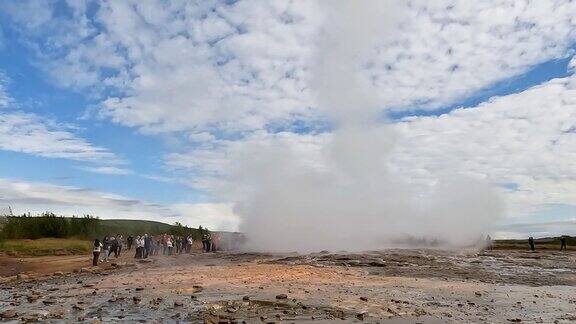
(10, 266)
(221, 287)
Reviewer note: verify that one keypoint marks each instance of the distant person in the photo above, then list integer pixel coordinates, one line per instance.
(562, 243)
(152, 245)
(129, 241)
(147, 245)
(164, 244)
(157, 245)
(96, 251)
(139, 243)
(488, 242)
(142, 245)
(177, 244)
(120, 245)
(105, 249)
(189, 243)
(169, 245)
(531, 243)
(113, 246)
(180, 242)
(207, 242)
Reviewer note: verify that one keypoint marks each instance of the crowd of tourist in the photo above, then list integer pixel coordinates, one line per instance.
(150, 245)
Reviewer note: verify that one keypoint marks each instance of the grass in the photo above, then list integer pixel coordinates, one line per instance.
(45, 246)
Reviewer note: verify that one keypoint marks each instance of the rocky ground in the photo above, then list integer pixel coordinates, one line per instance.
(391, 286)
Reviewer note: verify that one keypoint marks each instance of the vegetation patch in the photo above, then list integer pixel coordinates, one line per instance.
(45, 246)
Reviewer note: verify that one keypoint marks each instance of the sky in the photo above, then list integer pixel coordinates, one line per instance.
(138, 109)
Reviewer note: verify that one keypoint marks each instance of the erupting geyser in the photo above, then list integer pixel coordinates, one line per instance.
(335, 191)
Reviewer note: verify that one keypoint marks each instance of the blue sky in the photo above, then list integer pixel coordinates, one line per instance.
(153, 103)
(32, 92)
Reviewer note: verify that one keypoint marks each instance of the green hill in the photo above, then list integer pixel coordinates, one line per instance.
(139, 227)
(133, 227)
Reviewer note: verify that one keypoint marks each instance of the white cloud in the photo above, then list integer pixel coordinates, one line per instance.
(107, 170)
(5, 98)
(448, 49)
(540, 229)
(31, 134)
(26, 197)
(229, 68)
(33, 15)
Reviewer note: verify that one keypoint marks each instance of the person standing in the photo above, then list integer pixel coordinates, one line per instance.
(189, 243)
(97, 247)
(205, 246)
(113, 246)
(105, 249)
(152, 245)
(562, 243)
(120, 245)
(138, 254)
(129, 241)
(164, 244)
(531, 243)
(158, 245)
(209, 244)
(178, 244)
(169, 245)
(147, 245)
(488, 242)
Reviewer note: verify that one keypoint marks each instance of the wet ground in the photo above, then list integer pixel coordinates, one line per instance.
(392, 286)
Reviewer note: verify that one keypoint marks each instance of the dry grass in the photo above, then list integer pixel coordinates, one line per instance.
(45, 246)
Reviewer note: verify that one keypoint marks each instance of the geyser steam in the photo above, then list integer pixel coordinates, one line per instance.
(335, 191)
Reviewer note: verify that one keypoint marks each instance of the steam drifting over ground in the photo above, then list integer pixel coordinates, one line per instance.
(336, 191)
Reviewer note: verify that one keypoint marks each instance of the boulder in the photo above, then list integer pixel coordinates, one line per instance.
(9, 313)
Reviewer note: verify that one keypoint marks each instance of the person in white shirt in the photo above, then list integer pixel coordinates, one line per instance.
(189, 244)
(170, 245)
(139, 241)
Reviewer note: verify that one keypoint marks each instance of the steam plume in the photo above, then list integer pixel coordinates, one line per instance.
(335, 191)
